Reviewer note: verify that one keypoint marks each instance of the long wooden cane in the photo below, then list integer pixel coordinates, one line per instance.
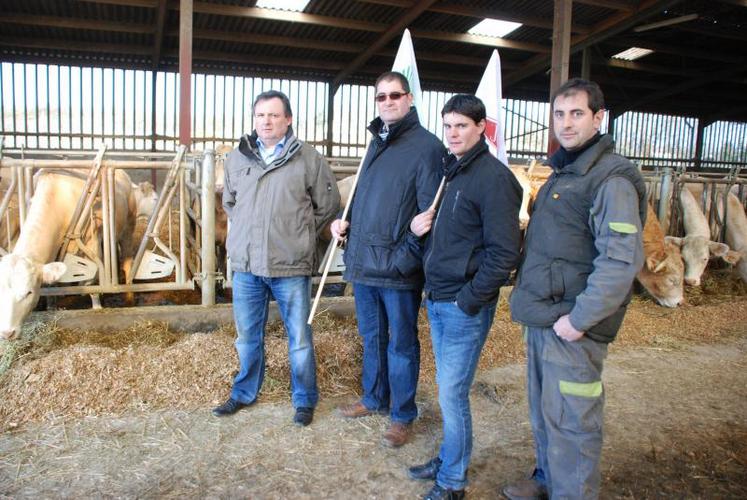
(336, 240)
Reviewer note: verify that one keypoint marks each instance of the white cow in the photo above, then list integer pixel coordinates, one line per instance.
(736, 232)
(23, 271)
(146, 198)
(696, 246)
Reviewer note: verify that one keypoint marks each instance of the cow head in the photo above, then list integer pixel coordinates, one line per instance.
(146, 198)
(662, 275)
(20, 281)
(696, 251)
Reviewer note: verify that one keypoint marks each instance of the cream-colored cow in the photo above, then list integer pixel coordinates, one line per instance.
(31, 262)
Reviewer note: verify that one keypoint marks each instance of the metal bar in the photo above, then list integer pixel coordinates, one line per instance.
(182, 228)
(112, 184)
(93, 289)
(106, 229)
(156, 218)
(208, 229)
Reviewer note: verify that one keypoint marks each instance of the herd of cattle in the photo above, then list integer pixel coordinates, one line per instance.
(670, 261)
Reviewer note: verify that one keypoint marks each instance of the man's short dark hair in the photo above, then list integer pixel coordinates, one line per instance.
(273, 94)
(574, 85)
(464, 104)
(393, 75)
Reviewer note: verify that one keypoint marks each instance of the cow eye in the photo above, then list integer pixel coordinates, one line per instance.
(28, 294)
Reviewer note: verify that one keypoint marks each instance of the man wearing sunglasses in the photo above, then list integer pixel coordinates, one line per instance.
(399, 178)
(278, 193)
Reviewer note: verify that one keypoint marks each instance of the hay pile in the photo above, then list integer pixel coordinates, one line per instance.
(62, 373)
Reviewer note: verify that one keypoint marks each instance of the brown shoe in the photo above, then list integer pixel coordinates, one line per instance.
(525, 489)
(396, 435)
(354, 410)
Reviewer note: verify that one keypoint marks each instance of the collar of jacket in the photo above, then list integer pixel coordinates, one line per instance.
(588, 158)
(452, 165)
(249, 148)
(409, 121)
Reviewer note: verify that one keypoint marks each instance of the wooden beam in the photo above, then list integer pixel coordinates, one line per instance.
(685, 86)
(560, 60)
(53, 44)
(717, 32)
(286, 16)
(612, 26)
(738, 3)
(468, 11)
(158, 39)
(74, 23)
(488, 41)
(151, 4)
(677, 50)
(394, 30)
(610, 4)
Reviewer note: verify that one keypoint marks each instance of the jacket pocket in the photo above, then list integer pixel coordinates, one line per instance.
(290, 243)
(557, 284)
(378, 251)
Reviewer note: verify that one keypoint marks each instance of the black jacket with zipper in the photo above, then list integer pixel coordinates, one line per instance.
(399, 177)
(474, 243)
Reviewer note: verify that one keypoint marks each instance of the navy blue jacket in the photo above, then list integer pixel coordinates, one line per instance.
(398, 180)
(475, 241)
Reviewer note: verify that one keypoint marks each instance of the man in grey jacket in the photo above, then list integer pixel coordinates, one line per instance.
(278, 193)
(582, 251)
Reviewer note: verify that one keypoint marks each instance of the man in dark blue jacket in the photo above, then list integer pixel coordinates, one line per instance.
(471, 250)
(399, 177)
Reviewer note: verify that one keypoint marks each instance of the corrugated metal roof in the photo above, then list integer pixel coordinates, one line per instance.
(689, 59)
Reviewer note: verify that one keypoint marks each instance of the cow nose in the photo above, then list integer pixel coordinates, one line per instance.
(692, 281)
(8, 334)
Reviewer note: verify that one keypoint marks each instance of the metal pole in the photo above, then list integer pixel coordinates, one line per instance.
(665, 195)
(185, 72)
(114, 280)
(207, 211)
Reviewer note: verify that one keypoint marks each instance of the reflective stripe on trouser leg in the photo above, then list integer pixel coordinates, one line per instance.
(572, 406)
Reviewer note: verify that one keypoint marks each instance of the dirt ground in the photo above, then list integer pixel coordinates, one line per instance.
(675, 424)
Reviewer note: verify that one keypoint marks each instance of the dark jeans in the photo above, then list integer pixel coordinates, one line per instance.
(388, 323)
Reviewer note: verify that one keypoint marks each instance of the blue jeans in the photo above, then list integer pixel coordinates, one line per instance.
(251, 298)
(388, 323)
(457, 343)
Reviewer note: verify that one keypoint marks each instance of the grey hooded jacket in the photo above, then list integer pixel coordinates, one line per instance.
(277, 210)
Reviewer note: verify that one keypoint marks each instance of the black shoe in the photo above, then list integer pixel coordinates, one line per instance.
(304, 415)
(229, 408)
(441, 493)
(424, 471)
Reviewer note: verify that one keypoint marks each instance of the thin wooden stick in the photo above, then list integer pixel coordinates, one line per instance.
(328, 264)
(440, 191)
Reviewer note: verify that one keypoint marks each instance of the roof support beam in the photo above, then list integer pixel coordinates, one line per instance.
(393, 31)
(612, 26)
(685, 86)
(561, 45)
(185, 72)
(73, 23)
(610, 4)
(158, 41)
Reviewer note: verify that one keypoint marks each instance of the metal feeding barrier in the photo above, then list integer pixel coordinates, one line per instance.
(165, 261)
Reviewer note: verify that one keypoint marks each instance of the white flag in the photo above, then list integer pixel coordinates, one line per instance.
(405, 64)
(489, 91)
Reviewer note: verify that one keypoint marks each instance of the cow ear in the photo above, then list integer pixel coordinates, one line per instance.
(732, 257)
(52, 272)
(717, 249)
(674, 240)
(656, 261)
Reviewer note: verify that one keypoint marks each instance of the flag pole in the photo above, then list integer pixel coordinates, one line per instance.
(335, 239)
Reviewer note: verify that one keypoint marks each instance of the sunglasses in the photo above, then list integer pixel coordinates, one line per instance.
(394, 96)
